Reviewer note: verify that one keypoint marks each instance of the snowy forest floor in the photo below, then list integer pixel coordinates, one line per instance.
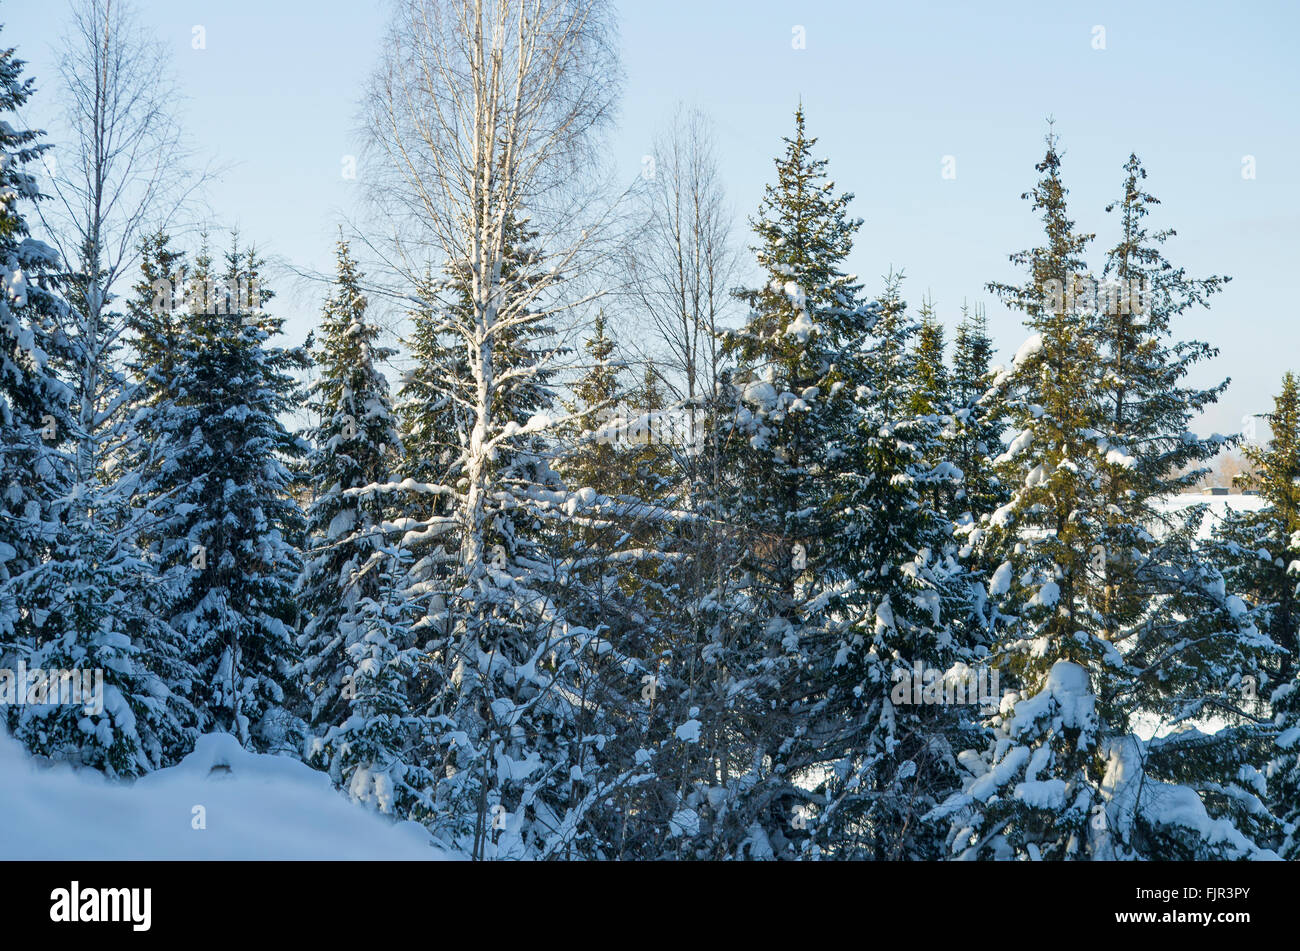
(220, 802)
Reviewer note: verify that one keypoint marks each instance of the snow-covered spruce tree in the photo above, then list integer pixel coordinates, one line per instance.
(896, 748)
(360, 670)
(814, 450)
(35, 421)
(592, 460)
(155, 320)
(1065, 777)
(930, 388)
(1146, 411)
(931, 396)
(1255, 550)
(1259, 555)
(1187, 638)
(434, 427)
(618, 547)
(973, 438)
(787, 445)
(97, 582)
(227, 541)
(976, 434)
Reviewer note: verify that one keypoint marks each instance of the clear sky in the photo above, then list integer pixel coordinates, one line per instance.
(890, 89)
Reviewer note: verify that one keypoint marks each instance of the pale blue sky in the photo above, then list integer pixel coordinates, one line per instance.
(890, 89)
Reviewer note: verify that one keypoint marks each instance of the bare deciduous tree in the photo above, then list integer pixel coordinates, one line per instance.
(122, 176)
(682, 263)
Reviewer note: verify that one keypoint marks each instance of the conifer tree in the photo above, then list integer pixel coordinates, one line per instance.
(512, 674)
(1255, 549)
(360, 667)
(35, 422)
(976, 437)
(931, 392)
(826, 459)
(1064, 776)
(227, 550)
(908, 586)
(1186, 636)
(98, 584)
(593, 460)
(1258, 552)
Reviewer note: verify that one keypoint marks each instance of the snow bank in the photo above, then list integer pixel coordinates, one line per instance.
(1217, 506)
(254, 807)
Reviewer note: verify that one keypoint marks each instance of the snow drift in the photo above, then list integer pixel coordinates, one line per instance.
(253, 806)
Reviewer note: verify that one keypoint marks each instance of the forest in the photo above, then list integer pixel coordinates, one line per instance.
(822, 582)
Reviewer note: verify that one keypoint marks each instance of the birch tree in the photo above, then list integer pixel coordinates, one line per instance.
(483, 120)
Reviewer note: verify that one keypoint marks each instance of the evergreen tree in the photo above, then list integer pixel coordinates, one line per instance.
(930, 395)
(1064, 776)
(1258, 553)
(360, 669)
(827, 461)
(896, 753)
(512, 676)
(98, 585)
(1255, 548)
(787, 447)
(35, 422)
(227, 546)
(593, 460)
(976, 436)
(1186, 638)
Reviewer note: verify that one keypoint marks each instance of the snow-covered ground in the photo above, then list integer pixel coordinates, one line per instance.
(253, 806)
